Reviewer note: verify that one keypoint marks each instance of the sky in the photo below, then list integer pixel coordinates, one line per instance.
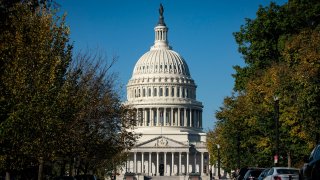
(201, 31)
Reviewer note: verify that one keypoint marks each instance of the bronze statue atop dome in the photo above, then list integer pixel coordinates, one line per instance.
(161, 19)
(161, 10)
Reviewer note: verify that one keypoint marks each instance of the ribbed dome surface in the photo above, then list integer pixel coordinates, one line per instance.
(161, 61)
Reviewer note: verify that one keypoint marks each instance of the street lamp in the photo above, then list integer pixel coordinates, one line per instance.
(218, 147)
(276, 119)
(238, 150)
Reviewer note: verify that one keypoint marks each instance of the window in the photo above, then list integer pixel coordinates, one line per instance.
(172, 91)
(167, 92)
(160, 91)
(149, 92)
(178, 92)
(155, 92)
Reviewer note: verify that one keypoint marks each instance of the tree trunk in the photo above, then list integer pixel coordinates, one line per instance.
(71, 167)
(7, 175)
(63, 168)
(40, 173)
(289, 159)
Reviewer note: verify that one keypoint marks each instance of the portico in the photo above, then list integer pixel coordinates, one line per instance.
(173, 163)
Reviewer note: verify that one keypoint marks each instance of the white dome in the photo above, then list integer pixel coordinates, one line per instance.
(161, 61)
(161, 89)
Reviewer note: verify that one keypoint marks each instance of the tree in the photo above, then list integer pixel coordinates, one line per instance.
(98, 118)
(262, 39)
(34, 55)
(53, 107)
(281, 51)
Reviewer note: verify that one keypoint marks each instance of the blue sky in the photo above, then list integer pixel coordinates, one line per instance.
(199, 30)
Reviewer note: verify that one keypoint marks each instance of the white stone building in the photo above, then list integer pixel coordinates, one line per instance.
(169, 117)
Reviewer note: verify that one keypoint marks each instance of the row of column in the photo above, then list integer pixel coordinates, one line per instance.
(171, 116)
(149, 171)
(161, 34)
(159, 91)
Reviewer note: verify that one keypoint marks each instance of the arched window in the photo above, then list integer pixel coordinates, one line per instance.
(149, 92)
(172, 92)
(167, 92)
(155, 92)
(160, 91)
(183, 93)
(143, 92)
(178, 91)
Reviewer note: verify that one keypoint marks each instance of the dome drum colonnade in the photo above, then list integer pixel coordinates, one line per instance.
(169, 118)
(174, 116)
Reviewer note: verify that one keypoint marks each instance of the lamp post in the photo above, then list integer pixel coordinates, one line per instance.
(238, 150)
(276, 119)
(218, 147)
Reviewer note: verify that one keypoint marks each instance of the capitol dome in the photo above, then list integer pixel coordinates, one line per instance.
(161, 88)
(161, 61)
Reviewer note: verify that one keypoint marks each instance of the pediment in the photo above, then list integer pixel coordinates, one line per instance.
(161, 141)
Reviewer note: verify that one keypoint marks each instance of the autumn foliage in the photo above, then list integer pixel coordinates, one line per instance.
(281, 49)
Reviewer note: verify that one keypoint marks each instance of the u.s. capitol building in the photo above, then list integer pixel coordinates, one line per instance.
(169, 117)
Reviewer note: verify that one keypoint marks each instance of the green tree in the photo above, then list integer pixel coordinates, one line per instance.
(54, 108)
(281, 51)
(261, 40)
(34, 55)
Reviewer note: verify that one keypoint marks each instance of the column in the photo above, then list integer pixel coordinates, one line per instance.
(179, 163)
(142, 162)
(171, 117)
(185, 117)
(172, 163)
(179, 119)
(157, 166)
(137, 117)
(152, 91)
(165, 116)
(127, 165)
(165, 163)
(201, 170)
(158, 91)
(152, 117)
(190, 110)
(158, 116)
(187, 163)
(135, 162)
(149, 164)
(144, 117)
(147, 117)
